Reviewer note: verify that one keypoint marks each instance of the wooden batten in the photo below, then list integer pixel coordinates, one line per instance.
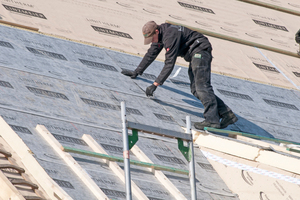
(53, 190)
(255, 150)
(8, 190)
(158, 174)
(72, 163)
(114, 166)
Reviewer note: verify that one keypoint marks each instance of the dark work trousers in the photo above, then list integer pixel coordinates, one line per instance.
(200, 77)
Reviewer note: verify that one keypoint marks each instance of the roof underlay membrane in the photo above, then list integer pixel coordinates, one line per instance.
(60, 75)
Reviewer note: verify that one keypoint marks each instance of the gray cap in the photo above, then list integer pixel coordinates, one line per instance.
(148, 31)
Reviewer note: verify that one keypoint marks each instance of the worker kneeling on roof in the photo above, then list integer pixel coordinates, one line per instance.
(196, 49)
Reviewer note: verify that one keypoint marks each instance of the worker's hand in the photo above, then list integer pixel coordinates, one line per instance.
(297, 37)
(150, 90)
(132, 74)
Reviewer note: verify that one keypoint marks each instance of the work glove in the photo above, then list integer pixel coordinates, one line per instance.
(150, 90)
(132, 74)
(297, 36)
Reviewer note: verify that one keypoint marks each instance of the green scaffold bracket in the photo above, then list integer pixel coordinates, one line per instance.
(184, 150)
(293, 150)
(132, 139)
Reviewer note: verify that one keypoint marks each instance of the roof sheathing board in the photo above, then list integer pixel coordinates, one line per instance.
(291, 6)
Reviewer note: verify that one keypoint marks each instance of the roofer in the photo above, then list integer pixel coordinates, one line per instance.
(196, 49)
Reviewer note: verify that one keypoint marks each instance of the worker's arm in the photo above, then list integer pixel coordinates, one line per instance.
(149, 57)
(171, 44)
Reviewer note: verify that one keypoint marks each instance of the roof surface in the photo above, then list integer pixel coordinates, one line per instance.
(73, 86)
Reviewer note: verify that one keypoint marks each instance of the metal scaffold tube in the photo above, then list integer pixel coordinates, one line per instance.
(126, 153)
(120, 159)
(191, 162)
(250, 135)
(186, 150)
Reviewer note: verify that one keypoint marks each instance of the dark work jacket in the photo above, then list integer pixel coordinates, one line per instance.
(178, 41)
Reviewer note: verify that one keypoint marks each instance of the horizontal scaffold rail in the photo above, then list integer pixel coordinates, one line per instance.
(159, 131)
(119, 159)
(214, 130)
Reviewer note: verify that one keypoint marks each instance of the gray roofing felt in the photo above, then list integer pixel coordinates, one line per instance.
(75, 89)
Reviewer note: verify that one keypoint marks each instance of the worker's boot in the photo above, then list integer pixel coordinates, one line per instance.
(201, 125)
(227, 119)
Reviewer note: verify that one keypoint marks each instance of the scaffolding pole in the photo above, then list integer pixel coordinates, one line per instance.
(126, 153)
(192, 161)
(187, 151)
(235, 133)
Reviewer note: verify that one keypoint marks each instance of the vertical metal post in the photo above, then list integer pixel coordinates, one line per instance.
(126, 153)
(191, 162)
